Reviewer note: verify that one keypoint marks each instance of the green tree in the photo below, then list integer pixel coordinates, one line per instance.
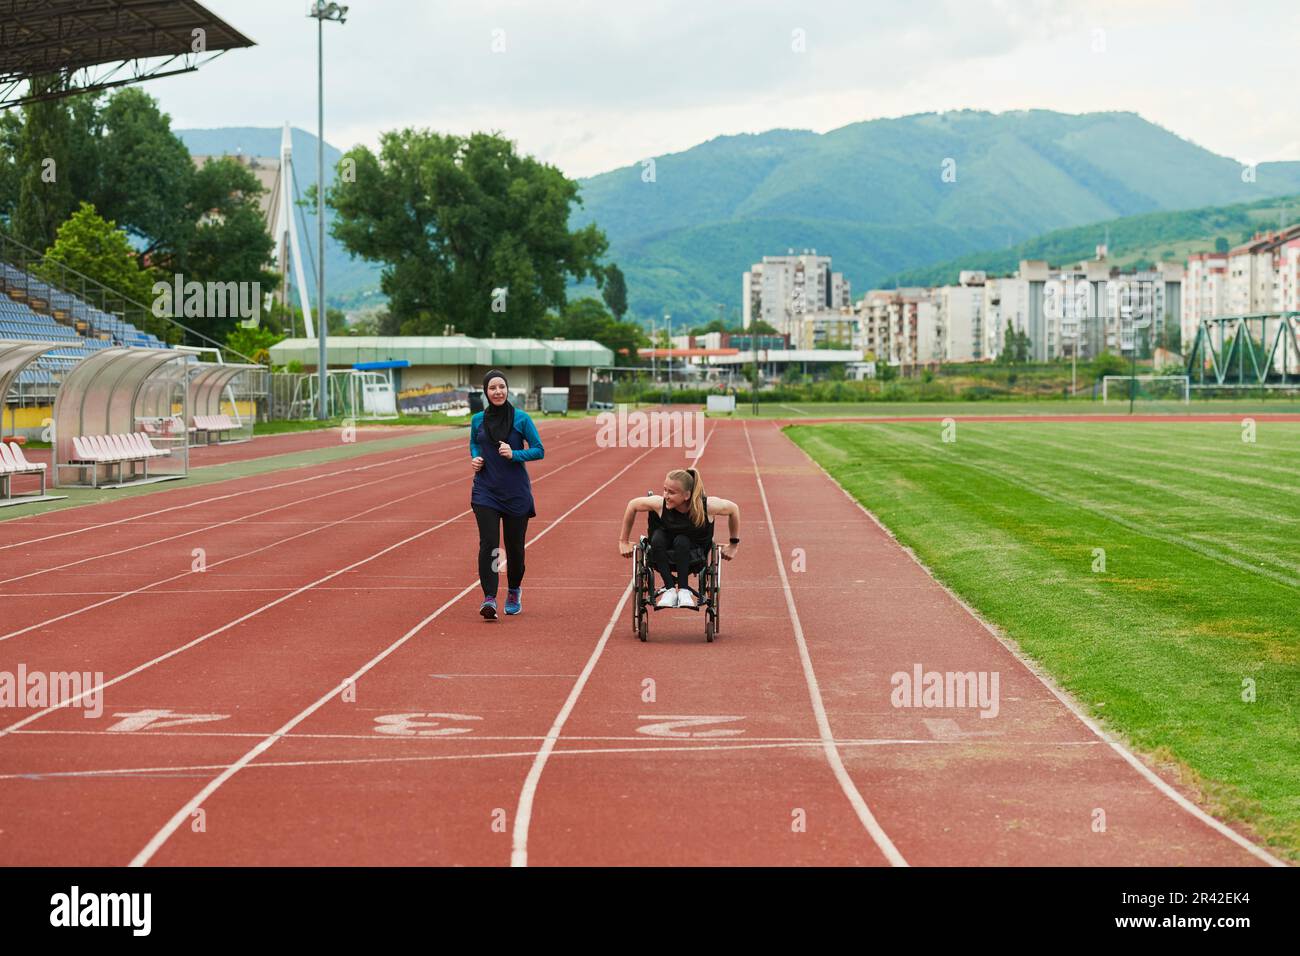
(224, 237)
(586, 318)
(614, 291)
(97, 249)
(470, 232)
(44, 164)
(1220, 243)
(254, 343)
(11, 138)
(147, 174)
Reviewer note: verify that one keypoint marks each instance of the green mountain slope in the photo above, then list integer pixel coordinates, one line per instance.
(1131, 240)
(872, 195)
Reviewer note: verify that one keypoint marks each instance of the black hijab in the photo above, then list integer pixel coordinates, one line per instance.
(498, 420)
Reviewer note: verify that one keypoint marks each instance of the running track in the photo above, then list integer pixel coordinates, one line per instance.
(330, 696)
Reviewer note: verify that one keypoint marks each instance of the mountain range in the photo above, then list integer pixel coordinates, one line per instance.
(885, 198)
(873, 195)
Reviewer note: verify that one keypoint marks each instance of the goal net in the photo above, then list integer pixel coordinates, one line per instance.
(1146, 388)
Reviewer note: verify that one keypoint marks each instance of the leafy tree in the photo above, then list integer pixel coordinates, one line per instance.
(224, 235)
(456, 220)
(255, 343)
(44, 163)
(614, 291)
(587, 319)
(1220, 243)
(147, 172)
(717, 325)
(96, 248)
(759, 327)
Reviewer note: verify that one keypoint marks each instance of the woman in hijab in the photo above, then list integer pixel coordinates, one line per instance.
(502, 495)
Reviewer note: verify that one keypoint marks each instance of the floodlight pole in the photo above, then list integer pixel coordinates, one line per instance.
(322, 11)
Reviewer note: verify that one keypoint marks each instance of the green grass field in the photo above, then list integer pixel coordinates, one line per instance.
(795, 411)
(1200, 593)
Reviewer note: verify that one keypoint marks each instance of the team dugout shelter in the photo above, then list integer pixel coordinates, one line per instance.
(460, 362)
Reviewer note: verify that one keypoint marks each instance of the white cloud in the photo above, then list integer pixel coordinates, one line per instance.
(595, 85)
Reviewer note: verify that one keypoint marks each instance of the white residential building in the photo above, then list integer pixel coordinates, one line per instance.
(960, 319)
(1205, 291)
(900, 326)
(780, 288)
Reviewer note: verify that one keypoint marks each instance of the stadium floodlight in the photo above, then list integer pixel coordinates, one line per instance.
(321, 11)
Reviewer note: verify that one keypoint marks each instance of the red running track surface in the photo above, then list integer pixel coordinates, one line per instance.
(325, 692)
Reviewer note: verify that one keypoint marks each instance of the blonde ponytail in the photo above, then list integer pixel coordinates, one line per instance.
(693, 485)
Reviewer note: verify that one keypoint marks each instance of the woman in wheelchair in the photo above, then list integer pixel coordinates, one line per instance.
(684, 533)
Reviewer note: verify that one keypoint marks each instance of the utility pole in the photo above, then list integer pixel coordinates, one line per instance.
(322, 11)
(668, 322)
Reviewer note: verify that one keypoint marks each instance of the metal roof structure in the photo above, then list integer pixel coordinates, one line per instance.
(98, 44)
(348, 350)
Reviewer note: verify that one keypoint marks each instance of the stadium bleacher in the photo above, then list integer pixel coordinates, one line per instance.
(88, 330)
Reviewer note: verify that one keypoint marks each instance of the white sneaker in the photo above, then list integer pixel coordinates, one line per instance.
(667, 598)
(685, 598)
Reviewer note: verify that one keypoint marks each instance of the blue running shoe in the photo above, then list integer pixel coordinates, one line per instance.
(489, 608)
(513, 605)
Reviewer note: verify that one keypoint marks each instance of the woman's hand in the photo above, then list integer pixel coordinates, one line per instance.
(729, 551)
(477, 463)
(625, 548)
(505, 451)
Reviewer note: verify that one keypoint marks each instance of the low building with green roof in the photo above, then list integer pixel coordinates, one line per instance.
(458, 361)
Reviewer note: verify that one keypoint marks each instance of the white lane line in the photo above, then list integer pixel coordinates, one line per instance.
(449, 444)
(394, 740)
(793, 409)
(221, 524)
(198, 640)
(237, 557)
(183, 814)
(528, 793)
(421, 758)
(524, 810)
(82, 529)
(814, 691)
(1045, 679)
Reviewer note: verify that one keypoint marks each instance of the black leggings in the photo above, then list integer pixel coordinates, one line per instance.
(489, 535)
(668, 552)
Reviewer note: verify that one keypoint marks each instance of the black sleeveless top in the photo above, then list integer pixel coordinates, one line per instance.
(677, 522)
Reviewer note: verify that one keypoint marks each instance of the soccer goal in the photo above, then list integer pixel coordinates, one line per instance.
(1147, 388)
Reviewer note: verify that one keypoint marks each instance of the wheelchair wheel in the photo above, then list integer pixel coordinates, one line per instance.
(709, 629)
(643, 628)
(715, 586)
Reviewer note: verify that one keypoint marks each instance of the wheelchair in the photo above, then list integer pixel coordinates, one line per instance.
(709, 568)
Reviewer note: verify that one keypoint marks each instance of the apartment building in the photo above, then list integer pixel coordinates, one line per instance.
(961, 332)
(900, 326)
(1205, 291)
(1253, 269)
(826, 328)
(780, 289)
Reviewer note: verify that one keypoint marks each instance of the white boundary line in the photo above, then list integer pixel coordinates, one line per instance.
(183, 814)
(814, 691)
(528, 792)
(118, 596)
(440, 443)
(221, 524)
(1147, 773)
(418, 758)
(203, 637)
(204, 501)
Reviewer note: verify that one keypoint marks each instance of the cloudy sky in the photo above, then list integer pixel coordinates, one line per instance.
(591, 86)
